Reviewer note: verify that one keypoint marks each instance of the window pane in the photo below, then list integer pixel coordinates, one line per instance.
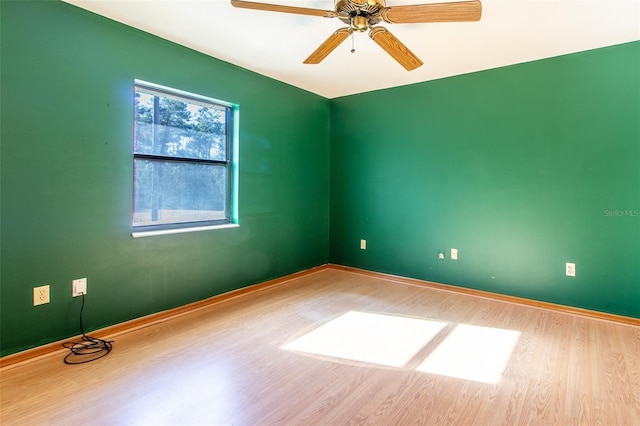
(177, 192)
(178, 127)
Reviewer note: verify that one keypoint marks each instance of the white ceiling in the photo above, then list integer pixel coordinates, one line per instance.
(275, 44)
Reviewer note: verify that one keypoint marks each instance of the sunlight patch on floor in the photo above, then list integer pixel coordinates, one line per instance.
(373, 338)
(473, 353)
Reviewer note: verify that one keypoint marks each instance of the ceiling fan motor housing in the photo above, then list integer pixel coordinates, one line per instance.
(359, 14)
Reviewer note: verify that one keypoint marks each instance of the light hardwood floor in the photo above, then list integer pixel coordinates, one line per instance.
(226, 365)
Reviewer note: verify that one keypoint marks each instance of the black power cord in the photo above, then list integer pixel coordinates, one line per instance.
(88, 348)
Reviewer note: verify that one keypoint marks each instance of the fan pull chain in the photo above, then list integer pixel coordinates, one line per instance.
(353, 49)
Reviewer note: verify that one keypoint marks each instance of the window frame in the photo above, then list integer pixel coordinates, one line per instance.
(228, 162)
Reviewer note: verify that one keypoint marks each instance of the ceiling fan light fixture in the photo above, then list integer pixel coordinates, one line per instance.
(359, 23)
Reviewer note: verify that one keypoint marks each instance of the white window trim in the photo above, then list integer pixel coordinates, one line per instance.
(183, 230)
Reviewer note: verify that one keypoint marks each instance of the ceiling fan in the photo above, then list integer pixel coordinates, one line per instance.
(363, 15)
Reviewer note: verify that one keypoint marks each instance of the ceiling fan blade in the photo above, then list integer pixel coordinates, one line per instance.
(328, 46)
(281, 8)
(395, 48)
(464, 11)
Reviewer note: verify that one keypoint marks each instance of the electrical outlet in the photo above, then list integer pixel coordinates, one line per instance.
(40, 295)
(79, 287)
(454, 254)
(363, 244)
(441, 254)
(571, 269)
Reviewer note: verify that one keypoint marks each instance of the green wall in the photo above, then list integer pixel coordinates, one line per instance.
(521, 169)
(66, 159)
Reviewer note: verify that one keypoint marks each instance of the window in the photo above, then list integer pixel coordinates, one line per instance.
(182, 160)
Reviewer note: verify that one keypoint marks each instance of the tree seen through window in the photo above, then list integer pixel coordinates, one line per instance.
(181, 159)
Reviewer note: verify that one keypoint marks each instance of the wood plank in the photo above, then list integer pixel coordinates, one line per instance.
(224, 364)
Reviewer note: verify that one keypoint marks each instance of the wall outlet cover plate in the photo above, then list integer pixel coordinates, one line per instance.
(570, 269)
(79, 287)
(41, 295)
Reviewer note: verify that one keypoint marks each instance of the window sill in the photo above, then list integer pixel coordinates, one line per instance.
(182, 230)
